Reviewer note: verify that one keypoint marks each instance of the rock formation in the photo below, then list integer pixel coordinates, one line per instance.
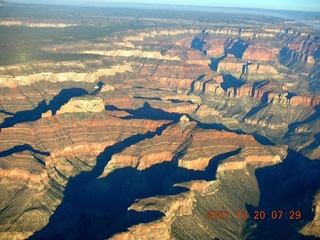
(313, 228)
(83, 104)
(257, 53)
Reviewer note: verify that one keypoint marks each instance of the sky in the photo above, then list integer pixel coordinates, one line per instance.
(298, 5)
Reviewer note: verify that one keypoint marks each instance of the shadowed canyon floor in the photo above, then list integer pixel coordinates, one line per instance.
(93, 205)
(32, 115)
(120, 123)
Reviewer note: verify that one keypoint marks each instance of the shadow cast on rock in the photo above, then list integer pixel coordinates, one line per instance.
(32, 115)
(96, 208)
(21, 148)
(287, 191)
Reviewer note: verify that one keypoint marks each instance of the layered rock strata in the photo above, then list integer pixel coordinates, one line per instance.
(70, 143)
(152, 103)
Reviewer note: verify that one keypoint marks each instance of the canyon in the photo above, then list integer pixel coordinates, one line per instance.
(118, 124)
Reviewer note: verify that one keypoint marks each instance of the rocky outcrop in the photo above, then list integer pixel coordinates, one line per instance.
(307, 101)
(182, 84)
(67, 132)
(34, 181)
(164, 32)
(231, 65)
(258, 71)
(257, 53)
(244, 90)
(107, 88)
(182, 98)
(22, 80)
(299, 46)
(204, 111)
(264, 88)
(183, 141)
(215, 47)
(194, 57)
(155, 230)
(266, 157)
(25, 167)
(175, 71)
(213, 87)
(183, 78)
(26, 183)
(271, 91)
(46, 114)
(250, 71)
(313, 228)
(83, 104)
(184, 207)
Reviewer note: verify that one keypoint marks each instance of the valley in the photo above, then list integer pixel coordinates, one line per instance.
(128, 123)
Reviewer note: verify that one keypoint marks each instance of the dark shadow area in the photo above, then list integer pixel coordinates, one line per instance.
(153, 89)
(147, 112)
(263, 140)
(218, 126)
(284, 52)
(147, 98)
(179, 101)
(63, 97)
(238, 48)
(259, 84)
(25, 116)
(97, 208)
(317, 53)
(245, 67)
(5, 112)
(288, 187)
(159, 114)
(215, 62)
(197, 43)
(215, 161)
(255, 110)
(32, 115)
(244, 73)
(287, 58)
(100, 86)
(230, 81)
(310, 119)
(291, 94)
(263, 101)
(112, 108)
(22, 148)
(194, 82)
(264, 98)
(205, 85)
(175, 101)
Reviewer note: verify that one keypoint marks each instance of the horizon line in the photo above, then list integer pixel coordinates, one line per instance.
(137, 4)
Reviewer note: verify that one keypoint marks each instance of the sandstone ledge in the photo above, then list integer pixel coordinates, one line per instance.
(266, 156)
(83, 104)
(22, 80)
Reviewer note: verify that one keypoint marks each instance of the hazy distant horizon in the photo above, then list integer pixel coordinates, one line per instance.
(285, 5)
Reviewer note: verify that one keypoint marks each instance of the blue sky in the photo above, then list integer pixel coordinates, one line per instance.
(300, 5)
